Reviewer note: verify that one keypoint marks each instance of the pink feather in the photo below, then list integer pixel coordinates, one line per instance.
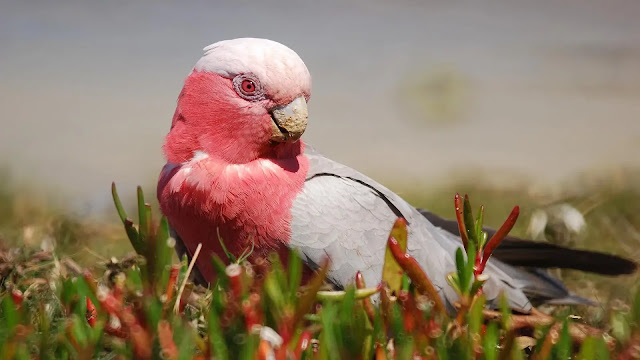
(227, 175)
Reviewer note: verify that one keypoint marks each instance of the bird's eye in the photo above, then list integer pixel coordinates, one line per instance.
(248, 87)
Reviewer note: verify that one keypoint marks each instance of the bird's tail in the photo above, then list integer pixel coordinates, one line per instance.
(518, 252)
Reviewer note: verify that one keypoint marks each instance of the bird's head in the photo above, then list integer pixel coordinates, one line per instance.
(245, 98)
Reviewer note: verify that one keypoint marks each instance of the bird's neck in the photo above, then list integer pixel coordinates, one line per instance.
(246, 203)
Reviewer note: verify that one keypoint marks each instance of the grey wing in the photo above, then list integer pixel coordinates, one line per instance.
(320, 165)
(348, 222)
(346, 216)
(344, 220)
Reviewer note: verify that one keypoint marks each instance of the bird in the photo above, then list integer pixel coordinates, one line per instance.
(239, 174)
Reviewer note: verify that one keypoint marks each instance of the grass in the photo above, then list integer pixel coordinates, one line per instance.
(31, 218)
(610, 204)
(98, 302)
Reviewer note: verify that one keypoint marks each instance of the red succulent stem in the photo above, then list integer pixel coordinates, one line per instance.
(234, 272)
(165, 338)
(459, 206)
(497, 238)
(265, 351)
(142, 347)
(408, 311)
(478, 266)
(285, 329)
(385, 306)
(281, 353)
(110, 303)
(117, 332)
(381, 353)
(173, 279)
(416, 274)
(303, 344)
(138, 335)
(92, 313)
(250, 308)
(366, 302)
(17, 297)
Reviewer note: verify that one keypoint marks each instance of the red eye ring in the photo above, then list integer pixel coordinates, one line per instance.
(248, 86)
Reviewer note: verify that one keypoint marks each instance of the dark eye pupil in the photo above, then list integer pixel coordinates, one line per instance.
(248, 86)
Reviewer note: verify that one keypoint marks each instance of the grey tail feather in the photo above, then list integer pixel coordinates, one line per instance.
(528, 253)
(562, 295)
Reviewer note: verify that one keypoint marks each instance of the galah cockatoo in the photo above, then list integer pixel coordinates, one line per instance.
(236, 168)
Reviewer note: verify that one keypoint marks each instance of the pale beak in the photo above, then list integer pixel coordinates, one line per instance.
(289, 121)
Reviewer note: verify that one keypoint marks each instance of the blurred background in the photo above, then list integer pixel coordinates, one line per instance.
(404, 91)
(535, 103)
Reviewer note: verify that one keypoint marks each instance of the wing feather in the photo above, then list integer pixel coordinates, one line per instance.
(346, 216)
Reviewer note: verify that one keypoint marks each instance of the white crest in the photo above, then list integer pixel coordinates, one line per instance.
(278, 67)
